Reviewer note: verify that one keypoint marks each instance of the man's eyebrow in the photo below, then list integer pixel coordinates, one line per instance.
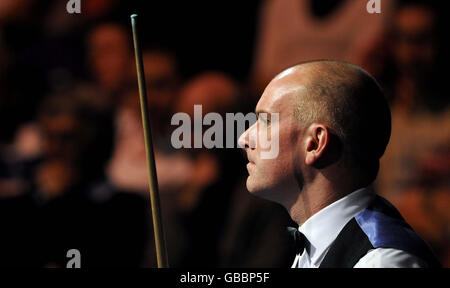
(261, 111)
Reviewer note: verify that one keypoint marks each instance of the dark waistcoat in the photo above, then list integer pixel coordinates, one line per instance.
(380, 225)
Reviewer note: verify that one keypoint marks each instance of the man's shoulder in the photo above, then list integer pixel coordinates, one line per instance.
(390, 258)
(378, 236)
(386, 229)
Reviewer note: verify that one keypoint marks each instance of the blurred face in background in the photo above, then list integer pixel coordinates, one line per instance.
(161, 79)
(110, 56)
(216, 92)
(59, 170)
(13, 10)
(414, 40)
(61, 137)
(96, 8)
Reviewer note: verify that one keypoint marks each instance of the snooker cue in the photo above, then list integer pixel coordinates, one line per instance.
(160, 244)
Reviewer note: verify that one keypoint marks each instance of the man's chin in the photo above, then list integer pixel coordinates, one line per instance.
(251, 187)
(258, 190)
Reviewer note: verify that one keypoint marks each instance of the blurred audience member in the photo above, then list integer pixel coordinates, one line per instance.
(106, 225)
(58, 22)
(216, 93)
(414, 171)
(224, 223)
(127, 168)
(291, 31)
(14, 10)
(111, 59)
(64, 203)
(19, 32)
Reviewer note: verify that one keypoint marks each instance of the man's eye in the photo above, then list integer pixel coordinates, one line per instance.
(264, 119)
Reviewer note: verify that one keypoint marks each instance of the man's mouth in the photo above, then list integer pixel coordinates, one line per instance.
(250, 160)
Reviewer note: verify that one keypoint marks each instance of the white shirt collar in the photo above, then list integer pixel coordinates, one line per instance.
(322, 228)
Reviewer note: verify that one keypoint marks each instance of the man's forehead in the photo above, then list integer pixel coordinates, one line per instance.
(280, 93)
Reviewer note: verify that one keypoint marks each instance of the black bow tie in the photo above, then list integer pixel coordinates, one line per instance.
(298, 238)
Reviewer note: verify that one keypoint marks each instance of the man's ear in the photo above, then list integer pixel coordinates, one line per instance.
(317, 143)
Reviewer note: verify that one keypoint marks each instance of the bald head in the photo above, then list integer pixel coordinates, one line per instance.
(349, 101)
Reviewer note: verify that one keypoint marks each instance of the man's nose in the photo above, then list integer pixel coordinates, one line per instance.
(242, 141)
(247, 139)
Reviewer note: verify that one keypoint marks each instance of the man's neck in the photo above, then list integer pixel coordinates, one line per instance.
(316, 196)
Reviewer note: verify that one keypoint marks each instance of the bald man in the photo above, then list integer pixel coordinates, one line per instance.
(334, 125)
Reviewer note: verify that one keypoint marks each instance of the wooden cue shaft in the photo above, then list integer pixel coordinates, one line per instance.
(161, 252)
